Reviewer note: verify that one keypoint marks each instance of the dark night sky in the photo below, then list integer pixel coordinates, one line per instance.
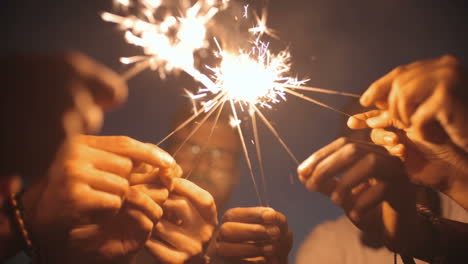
(340, 45)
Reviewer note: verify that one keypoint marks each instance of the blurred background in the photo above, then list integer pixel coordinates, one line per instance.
(338, 45)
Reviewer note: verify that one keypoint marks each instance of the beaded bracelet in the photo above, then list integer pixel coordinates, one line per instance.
(18, 222)
(435, 221)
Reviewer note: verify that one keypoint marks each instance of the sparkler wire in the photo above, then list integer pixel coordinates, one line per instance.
(246, 153)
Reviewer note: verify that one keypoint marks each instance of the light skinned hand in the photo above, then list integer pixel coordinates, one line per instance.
(189, 220)
(253, 235)
(429, 164)
(86, 209)
(426, 95)
(374, 190)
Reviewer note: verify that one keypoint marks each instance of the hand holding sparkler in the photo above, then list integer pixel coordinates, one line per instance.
(252, 235)
(77, 212)
(427, 163)
(428, 96)
(374, 192)
(189, 220)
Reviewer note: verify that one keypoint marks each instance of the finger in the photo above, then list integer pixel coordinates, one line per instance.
(358, 121)
(425, 115)
(380, 89)
(334, 164)
(241, 232)
(227, 249)
(393, 102)
(381, 121)
(143, 202)
(104, 181)
(108, 88)
(383, 137)
(133, 149)
(454, 122)
(178, 237)
(140, 222)
(276, 218)
(156, 192)
(164, 253)
(367, 200)
(200, 198)
(359, 173)
(141, 167)
(397, 150)
(180, 208)
(106, 161)
(250, 215)
(96, 202)
(326, 187)
(409, 91)
(167, 175)
(150, 177)
(90, 113)
(306, 168)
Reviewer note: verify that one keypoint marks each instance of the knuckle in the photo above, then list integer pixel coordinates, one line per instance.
(124, 141)
(398, 84)
(450, 59)
(342, 141)
(399, 69)
(228, 216)
(147, 227)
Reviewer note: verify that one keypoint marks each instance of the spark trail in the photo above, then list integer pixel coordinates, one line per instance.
(171, 33)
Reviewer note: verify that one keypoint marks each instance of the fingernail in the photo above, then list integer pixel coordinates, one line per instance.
(351, 123)
(389, 139)
(301, 168)
(268, 250)
(273, 232)
(169, 160)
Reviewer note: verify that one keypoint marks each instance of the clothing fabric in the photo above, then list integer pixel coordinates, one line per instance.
(339, 241)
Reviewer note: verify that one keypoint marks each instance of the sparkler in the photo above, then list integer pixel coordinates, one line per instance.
(251, 80)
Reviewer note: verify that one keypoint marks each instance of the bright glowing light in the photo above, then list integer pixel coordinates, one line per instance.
(243, 79)
(169, 42)
(256, 77)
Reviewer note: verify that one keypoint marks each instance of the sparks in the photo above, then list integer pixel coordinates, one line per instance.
(247, 79)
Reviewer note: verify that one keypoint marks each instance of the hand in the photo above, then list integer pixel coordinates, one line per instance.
(189, 221)
(79, 209)
(433, 165)
(48, 98)
(429, 96)
(253, 235)
(374, 190)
